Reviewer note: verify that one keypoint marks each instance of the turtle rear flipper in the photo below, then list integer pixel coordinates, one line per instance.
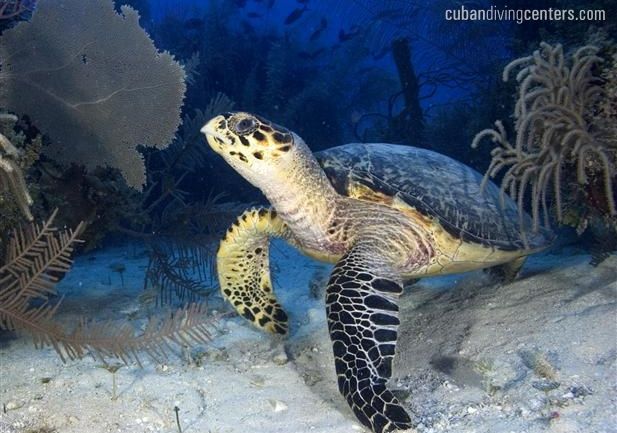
(362, 310)
(243, 267)
(506, 272)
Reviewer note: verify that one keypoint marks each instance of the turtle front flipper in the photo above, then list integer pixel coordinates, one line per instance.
(243, 267)
(362, 310)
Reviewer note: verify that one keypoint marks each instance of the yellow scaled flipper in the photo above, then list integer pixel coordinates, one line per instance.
(243, 267)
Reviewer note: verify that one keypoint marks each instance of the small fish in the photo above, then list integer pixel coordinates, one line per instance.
(345, 36)
(310, 56)
(319, 30)
(194, 24)
(295, 15)
(254, 15)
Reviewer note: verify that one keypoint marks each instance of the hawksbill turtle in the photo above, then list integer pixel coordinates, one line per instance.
(384, 214)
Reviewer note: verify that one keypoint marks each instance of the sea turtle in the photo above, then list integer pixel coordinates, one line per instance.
(384, 214)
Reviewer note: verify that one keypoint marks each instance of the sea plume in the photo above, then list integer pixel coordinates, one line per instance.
(559, 131)
(12, 178)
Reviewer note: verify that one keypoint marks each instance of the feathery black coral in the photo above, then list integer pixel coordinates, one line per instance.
(184, 327)
(37, 255)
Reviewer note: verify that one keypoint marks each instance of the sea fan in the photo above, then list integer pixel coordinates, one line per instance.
(94, 82)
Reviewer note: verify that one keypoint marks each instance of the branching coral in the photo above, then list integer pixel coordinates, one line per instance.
(37, 256)
(12, 178)
(557, 128)
(94, 82)
(181, 264)
(179, 272)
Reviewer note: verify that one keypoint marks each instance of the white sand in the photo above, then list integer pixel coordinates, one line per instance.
(490, 346)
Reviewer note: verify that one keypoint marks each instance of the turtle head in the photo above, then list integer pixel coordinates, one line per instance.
(253, 146)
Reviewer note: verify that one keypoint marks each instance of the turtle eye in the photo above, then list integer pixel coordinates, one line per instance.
(245, 126)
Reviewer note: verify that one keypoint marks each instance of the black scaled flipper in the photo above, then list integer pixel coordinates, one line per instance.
(363, 322)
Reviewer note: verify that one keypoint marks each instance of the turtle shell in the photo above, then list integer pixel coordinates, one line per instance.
(436, 186)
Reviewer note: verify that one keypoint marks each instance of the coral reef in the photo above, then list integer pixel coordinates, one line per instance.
(96, 85)
(164, 207)
(180, 229)
(12, 178)
(21, 150)
(36, 258)
(179, 272)
(181, 256)
(563, 142)
(99, 197)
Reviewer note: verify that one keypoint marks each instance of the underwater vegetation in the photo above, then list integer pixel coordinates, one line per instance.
(106, 129)
(565, 137)
(72, 83)
(11, 176)
(268, 80)
(72, 90)
(181, 259)
(438, 65)
(36, 257)
(102, 103)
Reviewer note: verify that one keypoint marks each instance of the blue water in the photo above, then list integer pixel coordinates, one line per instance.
(102, 105)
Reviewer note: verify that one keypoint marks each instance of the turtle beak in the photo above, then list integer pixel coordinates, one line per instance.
(215, 138)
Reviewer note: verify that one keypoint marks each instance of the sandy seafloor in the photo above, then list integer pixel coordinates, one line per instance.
(537, 355)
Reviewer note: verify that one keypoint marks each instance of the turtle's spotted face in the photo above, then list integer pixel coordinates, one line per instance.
(250, 144)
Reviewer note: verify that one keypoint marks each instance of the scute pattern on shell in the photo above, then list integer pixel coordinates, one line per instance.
(435, 185)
